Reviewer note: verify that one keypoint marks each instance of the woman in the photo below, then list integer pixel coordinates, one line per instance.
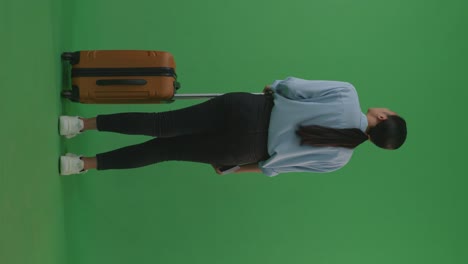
(297, 126)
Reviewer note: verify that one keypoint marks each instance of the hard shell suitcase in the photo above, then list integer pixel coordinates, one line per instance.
(124, 77)
(121, 76)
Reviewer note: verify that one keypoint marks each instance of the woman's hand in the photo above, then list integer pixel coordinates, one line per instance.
(216, 168)
(267, 90)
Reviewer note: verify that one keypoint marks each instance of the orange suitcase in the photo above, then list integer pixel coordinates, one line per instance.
(121, 77)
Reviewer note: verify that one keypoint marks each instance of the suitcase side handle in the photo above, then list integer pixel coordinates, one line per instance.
(121, 82)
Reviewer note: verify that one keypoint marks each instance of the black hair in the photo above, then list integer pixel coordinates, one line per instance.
(388, 134)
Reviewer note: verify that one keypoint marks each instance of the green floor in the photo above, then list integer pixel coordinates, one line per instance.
(403, 207)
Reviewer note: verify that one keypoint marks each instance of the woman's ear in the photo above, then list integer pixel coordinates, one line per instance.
(382, 117)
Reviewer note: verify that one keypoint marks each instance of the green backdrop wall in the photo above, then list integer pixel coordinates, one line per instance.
(406, 206)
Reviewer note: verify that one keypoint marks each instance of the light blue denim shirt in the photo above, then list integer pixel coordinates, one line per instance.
(303, 102)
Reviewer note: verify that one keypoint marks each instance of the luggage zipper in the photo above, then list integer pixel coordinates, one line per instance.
(108, 72)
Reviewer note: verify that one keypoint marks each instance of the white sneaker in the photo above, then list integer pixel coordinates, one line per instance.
(71, 164)
(70, 126)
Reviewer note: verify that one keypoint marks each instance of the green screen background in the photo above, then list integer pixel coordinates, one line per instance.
(406, 206)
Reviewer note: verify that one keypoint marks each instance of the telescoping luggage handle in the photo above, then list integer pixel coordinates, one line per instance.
(200, 96)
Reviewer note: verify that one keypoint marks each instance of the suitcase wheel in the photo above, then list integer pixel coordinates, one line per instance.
(67, 94)
(67, 56)
(72, 57)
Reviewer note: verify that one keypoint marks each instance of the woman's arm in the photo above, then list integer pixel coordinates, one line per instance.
(300, 89)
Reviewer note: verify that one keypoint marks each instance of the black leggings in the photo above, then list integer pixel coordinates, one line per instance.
(231, 129)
